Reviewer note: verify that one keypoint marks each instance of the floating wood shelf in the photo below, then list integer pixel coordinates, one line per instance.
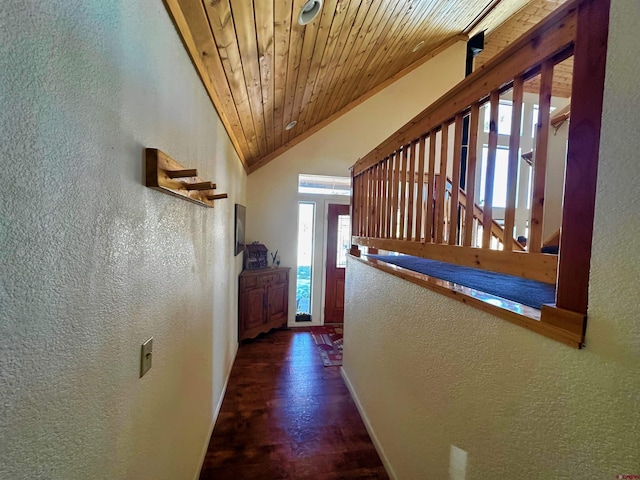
(217, 197)
(163, 173)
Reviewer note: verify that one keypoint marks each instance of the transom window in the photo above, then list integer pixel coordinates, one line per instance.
(324, 185)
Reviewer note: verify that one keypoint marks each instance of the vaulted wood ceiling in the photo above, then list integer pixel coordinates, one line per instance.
(263, 70)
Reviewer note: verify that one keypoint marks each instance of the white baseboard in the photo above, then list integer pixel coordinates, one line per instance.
(374, 438)
(216, 412)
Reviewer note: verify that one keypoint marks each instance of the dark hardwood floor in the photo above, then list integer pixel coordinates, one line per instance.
(285, 415)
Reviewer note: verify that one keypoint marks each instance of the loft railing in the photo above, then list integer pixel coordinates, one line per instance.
(403, 201)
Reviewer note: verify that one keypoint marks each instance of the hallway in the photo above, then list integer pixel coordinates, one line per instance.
(285, 415)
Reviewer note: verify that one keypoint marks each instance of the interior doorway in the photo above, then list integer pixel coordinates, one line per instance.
(338, 241)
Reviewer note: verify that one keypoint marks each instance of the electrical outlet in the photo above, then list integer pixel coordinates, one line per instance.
(145, 356)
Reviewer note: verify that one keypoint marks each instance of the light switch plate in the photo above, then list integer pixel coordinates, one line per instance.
(145, 356)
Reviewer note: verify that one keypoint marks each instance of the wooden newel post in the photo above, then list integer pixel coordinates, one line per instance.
(582, 167)
(582, 155)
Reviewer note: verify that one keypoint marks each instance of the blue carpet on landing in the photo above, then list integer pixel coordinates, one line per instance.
(521, 290)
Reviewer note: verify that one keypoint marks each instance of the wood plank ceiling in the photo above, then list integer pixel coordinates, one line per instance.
(263, 70)
(528, 17)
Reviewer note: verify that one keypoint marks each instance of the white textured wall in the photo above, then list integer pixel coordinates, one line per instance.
(92, 263)
(554, 187)
(272, 201)
(431, 372)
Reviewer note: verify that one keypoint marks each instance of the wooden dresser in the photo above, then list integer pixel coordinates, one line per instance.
(263, 301)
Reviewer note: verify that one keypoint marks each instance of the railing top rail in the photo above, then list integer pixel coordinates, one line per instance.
(553, 37)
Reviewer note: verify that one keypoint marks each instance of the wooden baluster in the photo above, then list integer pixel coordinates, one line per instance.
(371, 196)
(487, 217)
(382, 198)
(472, 157)
(420, 193)
(447, 213)
(369, 201)
(365, 203)
(403, 190)
(355, 215)
(391, 206)
(534, 242)
(353, 210)
(365, 191)
(394, 194)
(376, 200)
(387, 226)
(356, 229)
(381, 179)
(365, 207)
(362, 197)
(436, 205)
(455, 181)
(514, 159)
(374, 203)
(411, 190)
(379, 199)
(389, 194)
(383, 203)
(430, 230)
(389, 188)
(442, 184)
(387, 201)
(360, 204)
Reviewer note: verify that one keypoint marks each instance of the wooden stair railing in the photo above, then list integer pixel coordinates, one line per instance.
(497, 230)
(389, 207)
(560, 117)
(553, 240)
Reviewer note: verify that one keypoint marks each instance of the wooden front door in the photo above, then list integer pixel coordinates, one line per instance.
(338, 241)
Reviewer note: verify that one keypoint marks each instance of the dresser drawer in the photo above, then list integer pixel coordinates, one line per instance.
(248, 282)
(282, 276)
(264, 280)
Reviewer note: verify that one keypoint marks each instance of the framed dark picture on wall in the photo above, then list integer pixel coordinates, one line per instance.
(241, 213)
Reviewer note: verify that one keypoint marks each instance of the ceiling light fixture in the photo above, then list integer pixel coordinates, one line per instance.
(310, 10)
(290, 125)
(418, 46)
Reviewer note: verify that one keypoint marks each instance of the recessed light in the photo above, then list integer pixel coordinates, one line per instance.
(290, 125)
(418, 46)
(310, 10)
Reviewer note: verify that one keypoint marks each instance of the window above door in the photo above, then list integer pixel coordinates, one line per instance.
(324, 185)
